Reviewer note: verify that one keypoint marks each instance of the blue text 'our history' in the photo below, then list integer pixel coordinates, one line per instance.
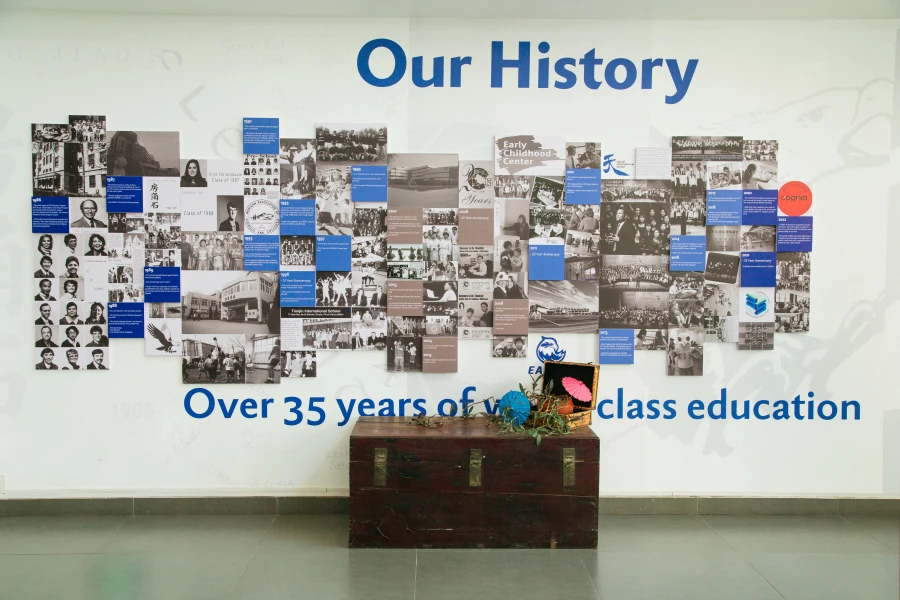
(519, 66)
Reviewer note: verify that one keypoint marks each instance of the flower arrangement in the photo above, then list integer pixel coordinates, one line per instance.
(533, 412)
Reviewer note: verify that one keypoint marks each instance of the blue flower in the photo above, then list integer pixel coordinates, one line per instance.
(514, 407)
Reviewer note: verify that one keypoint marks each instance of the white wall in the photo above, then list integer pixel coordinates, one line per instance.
(824, 90)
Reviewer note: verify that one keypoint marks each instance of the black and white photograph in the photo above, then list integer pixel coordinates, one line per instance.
(582, 218)
(688, 216)
(51, 175)
(723, 238)
(650, 273)
(439, 297)
(71, 290)
(144, 153)
(46, 290)
(299, 363)
(514, 218)
(298, 251)
(637, 190)
(622, 309)
(548, 192)
(761, 150)
(511, 258)
(333, 288)
(162, 329)
(686, 312)
(720, 312)
(440, 216)
(724, 175)
(509, 187)
(474, 315)
(563, 306)
(408, 270)
(756, 336)
(230, 213)
(369, 328)
(41, 132)
(87, 164)
(507, 287)
(547, 223)
(758, 238)
(215, 358)
(46, 268)
(510, 346)
(582, 243)
(75, 360)
(72, 336)
(707, 147)
(686, 284)
(634, 228)
(297, 166)
(406, 252)
(87, 213)
(235, 302)
(583, 155)
(327, 334)
(47, 359)
(404, 343)
(477, 261)
(722, 268)
(261, 176)
(690, 179)
(369, 219)
(440, 242)
(650, 339)
(334, 206)
(118, 222)
(792, 278)
(212, 251)
(46, 313)
(368, 281)
(476, 183)
(438, 270)
(162, 258)
(351, 143)
(47, 336)
(162, 230)
(684, 355)
(441, 325)
(87, 128)
(423, 180)
(193, 172)
(759, 175)
(582, 267)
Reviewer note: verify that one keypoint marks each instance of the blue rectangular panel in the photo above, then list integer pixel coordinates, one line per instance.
(50, 214)
(333, 253)
(760, 207)
(757, 269)
(260, 135)
(582, 186)
(298, 217)
(724, 207)
(369, 183)
(687, 253)
(298, 288)
(162, 284)
(261, 252)
(794, 234)
(546, 262)
(125, 194)
(126, 319)
(617, 346)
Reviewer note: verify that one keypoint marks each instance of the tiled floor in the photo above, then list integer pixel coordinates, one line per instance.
(304, 557)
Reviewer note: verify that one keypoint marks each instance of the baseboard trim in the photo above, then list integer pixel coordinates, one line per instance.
(321, 505)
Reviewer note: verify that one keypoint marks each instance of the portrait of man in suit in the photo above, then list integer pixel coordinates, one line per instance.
(43, 294)
(623, 238)
(44, 318)
(231, 223)
(46, 363)
(97, 363)
(88, 216)
(44, 271)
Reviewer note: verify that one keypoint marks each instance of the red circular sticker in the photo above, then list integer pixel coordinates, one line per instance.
(794, 198)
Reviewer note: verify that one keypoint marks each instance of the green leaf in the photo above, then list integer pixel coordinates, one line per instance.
(538, 440)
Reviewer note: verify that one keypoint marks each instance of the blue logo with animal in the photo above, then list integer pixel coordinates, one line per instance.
(548, 349)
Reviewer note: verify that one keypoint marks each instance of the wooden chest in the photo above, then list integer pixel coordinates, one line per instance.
(464, 486)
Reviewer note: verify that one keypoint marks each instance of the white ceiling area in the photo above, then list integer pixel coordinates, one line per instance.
(706, 10)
